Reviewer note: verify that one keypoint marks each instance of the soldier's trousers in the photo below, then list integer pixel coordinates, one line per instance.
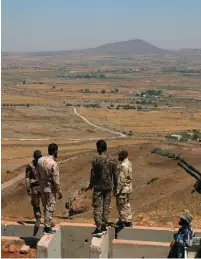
(101, 204)
(35, 201)
(49, 202)
(124, 207)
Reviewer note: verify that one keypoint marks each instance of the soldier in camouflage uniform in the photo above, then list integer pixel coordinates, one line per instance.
(32, 185)
(48, 175)
(103, 175)
(124, 189)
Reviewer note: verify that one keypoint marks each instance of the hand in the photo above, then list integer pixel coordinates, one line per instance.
(29, 191)
(60, 194)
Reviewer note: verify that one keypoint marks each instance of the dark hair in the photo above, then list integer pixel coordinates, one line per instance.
(123, 153)
(36, 155)
(52, 148)
(101, 146)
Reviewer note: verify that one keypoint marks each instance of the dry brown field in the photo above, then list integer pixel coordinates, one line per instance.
(47, 116)
(162, 121)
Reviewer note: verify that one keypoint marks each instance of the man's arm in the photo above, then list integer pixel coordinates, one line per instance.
(56, 179)
(27, 179)
(114, 176)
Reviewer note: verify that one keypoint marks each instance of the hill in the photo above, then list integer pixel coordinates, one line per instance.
(128, 47)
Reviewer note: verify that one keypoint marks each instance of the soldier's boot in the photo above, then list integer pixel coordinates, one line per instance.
(48, 230)
(104, 229)
(128, 224)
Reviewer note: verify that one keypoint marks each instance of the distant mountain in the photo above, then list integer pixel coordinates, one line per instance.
(128, 47)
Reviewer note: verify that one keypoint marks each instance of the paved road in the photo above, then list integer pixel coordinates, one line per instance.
(20, 177)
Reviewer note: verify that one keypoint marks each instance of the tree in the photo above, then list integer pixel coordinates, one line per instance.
(116, 90)
(24, 82)
(103, 91)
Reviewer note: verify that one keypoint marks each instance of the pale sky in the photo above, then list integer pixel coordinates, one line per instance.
(39, 25)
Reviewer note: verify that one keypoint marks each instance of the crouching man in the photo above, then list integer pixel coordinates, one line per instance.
(183, 238)
(124, 190)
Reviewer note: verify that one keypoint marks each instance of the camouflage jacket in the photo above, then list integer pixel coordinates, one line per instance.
(103, 172)
(31, 175)
(124, 175)
(48, 174)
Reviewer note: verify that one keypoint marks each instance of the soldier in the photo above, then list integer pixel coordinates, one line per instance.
(48, 174)
(124, 190)
(103, 174)
(32, 185)
(183, 238)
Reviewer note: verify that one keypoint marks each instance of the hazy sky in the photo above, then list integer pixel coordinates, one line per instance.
(33, 25)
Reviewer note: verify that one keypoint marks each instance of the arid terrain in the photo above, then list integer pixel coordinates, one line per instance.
(136, 101)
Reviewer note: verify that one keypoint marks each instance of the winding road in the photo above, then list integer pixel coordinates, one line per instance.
(20, 177)
(74, 139)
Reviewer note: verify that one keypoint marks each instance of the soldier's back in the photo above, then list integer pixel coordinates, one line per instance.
(103, 166)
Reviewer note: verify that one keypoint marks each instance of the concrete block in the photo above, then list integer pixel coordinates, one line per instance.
(50, 246)
(146, 234)
(99, 247)
(18, 230)
(139, 249)
(76, 240)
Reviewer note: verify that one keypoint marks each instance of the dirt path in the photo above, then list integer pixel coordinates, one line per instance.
(74, 139)
(98, 127)
(20, 177)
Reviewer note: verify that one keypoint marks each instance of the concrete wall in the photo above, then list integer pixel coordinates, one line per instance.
(99, 247)
(76, 240)
(50, 246)
(139, 249)
(19, 230)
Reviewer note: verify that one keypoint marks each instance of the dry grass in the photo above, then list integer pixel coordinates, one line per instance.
(144, 122)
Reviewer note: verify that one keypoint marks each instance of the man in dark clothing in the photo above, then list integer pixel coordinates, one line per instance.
(183, 238)
(103, 177)
(32, 185)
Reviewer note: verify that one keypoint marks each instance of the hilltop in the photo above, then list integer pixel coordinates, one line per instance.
(128, 47)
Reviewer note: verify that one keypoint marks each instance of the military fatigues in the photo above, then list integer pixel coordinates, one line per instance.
(103, 175)
(48, 174)
(33, 185)
(124, 190)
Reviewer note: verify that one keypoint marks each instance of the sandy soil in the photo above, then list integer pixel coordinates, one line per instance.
(159, 203)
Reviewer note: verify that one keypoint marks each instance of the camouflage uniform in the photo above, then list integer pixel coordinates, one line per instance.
(103, 174)
(124, 190)
(48, 174)
(33, 185)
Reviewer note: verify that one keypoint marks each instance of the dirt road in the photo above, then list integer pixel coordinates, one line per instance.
(20, 177)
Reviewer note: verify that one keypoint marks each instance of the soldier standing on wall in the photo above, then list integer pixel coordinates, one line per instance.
(103, 175)
(32, 185)
(124, 190)
(48, 175)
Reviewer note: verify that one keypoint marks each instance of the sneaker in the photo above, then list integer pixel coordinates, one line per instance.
(47, 231)
(128, 224)
(97, 233)
(104, 229)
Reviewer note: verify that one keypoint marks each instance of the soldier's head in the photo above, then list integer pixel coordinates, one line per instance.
(186, 219)
(101, 146)
(37, 154)
(53, 150)
(123, 154)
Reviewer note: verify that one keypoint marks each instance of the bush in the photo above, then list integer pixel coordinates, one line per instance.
(103, 91)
